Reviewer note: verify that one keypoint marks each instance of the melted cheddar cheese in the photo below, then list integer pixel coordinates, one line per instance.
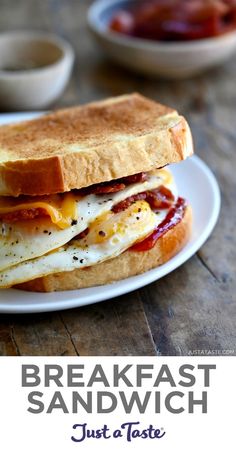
(61, 209)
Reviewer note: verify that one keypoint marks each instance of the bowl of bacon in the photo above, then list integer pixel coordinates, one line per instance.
(167, 38)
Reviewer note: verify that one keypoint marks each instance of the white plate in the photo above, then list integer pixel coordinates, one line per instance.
(195, 182)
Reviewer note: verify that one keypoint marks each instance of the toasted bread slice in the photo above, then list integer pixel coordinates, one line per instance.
(97, 142)
(128, 264)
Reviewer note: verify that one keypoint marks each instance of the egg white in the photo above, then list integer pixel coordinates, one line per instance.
(80, 254)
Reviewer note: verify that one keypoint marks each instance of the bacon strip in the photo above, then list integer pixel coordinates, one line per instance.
(174, 216)
(98, 189)
(114, 186)
(22, 215)
(176, 20)
(160, 198)
(103, 189)
(82, 234)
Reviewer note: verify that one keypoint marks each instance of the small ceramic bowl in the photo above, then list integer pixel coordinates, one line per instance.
(34, 69)
(166, 59)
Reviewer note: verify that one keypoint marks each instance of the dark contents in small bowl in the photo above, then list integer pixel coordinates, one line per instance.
(24, 66)
(176, 20)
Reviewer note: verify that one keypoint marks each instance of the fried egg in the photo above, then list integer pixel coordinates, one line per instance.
(107, 239)
(27, 240)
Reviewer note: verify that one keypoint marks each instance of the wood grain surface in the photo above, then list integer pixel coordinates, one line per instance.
(191, 311)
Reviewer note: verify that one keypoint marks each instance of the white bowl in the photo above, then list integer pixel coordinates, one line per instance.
(34, 69)
(167, 59)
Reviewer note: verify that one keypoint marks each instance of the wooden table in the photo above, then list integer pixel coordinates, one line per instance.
(191, 311)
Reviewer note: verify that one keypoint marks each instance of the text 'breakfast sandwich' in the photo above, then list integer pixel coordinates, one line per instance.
(85, 196)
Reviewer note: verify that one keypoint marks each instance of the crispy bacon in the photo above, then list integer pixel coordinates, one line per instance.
(174, 216)
(135, 178)
(176, 20)
(114, 186)
(22, 215)
(82, 234)
(98, 189)
(160, 198)
(123, 205)
(103, 189)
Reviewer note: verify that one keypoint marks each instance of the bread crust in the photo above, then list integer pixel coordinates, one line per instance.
(97, 142)
(130, 263)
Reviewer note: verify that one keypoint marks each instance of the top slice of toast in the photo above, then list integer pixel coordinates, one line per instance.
(93, 143)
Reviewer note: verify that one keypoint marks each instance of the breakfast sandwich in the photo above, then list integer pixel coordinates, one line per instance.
(86, 197)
